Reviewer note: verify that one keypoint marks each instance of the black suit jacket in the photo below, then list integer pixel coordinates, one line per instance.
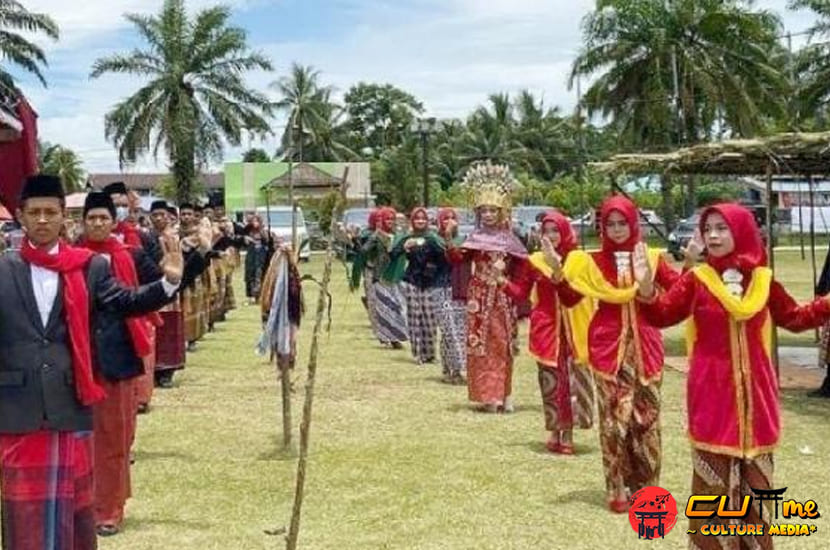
(36, 379)
(114, 355)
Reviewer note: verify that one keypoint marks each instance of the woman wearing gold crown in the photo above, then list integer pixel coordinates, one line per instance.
(493, 252)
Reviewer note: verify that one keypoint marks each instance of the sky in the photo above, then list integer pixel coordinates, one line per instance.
(450, 54)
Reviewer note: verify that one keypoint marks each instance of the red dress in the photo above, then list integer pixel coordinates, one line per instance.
(732, 394)
(607, 333)
(491, 322)
(545, 318)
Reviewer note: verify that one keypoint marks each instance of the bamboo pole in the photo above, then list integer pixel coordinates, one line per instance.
(771, 257)
(305, 426)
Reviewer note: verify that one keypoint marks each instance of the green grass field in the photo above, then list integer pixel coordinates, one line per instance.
(398, 460)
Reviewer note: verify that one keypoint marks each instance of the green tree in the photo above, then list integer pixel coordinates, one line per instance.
(17, 24)
(195, 96)
(716, 51)
(256, 155)
(304, 99)
(328, 137)
(812, 66)
(396, 176)
(56, 160)
(379, 115)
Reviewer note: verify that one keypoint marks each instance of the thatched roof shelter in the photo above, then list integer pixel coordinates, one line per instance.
(791, 153)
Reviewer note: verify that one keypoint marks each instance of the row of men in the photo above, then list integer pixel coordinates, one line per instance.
(86, 330)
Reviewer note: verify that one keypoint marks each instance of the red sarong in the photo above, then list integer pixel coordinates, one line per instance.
(114, 420)
(46, 485)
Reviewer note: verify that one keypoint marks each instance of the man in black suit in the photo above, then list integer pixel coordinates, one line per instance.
(50, 296)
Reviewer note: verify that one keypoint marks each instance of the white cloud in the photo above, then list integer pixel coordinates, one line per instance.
(85, 21)
(449, 53)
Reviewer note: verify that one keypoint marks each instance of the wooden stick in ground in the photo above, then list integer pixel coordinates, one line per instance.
(305, 426)
(284, 367)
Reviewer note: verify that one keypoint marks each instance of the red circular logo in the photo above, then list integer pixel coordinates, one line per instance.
(652, 513)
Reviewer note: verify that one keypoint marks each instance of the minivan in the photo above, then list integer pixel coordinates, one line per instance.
(278, 220)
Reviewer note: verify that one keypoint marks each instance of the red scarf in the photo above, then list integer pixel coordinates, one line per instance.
(130, 233)
(70, 264)
(123, 267)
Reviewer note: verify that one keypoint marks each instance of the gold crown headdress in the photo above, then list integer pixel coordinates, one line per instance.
(490, 184)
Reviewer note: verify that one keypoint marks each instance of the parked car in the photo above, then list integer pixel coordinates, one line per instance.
(356, 216)
(527, 218)
(278, 219)
(682, 234)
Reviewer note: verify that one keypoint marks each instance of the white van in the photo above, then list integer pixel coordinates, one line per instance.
(279, 218)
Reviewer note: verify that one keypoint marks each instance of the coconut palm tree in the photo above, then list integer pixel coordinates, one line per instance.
(329, 137)
(61, 161)
(16, 48)
(667, 72)
(306, 102)
(717, 52)
(812, 64)
(195, 95)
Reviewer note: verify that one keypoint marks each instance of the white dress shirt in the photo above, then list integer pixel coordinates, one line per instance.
(45, 286)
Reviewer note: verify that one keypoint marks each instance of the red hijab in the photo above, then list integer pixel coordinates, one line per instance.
(418, 210)
(386, 214)
(628, 209)
(373, 219)
(567, 238)
(749, 250)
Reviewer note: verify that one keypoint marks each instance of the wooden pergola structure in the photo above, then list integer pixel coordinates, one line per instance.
(802, 154)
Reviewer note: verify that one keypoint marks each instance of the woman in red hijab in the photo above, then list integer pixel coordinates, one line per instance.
(624, 351)
(551, 341)
(732, 387)
(451, 305)
(423, 254)
(387, 299)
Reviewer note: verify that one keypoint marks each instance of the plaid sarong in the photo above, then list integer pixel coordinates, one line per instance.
(420, 318)
(170, 341)
(46, 485)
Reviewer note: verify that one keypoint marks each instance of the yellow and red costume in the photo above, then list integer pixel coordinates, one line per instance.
(626, 355)
(551, 339)
(733, 407)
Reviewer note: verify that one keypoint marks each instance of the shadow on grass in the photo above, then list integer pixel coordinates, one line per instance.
(279, 452)
(798, 402)
(539, 447)
(594, 497)
(478, 409)
(139, 524)
(142, 456)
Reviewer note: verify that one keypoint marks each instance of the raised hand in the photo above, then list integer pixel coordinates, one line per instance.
(694, 249)
(205, 237)
(552, 258)
(172, 263)
(642, 270)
